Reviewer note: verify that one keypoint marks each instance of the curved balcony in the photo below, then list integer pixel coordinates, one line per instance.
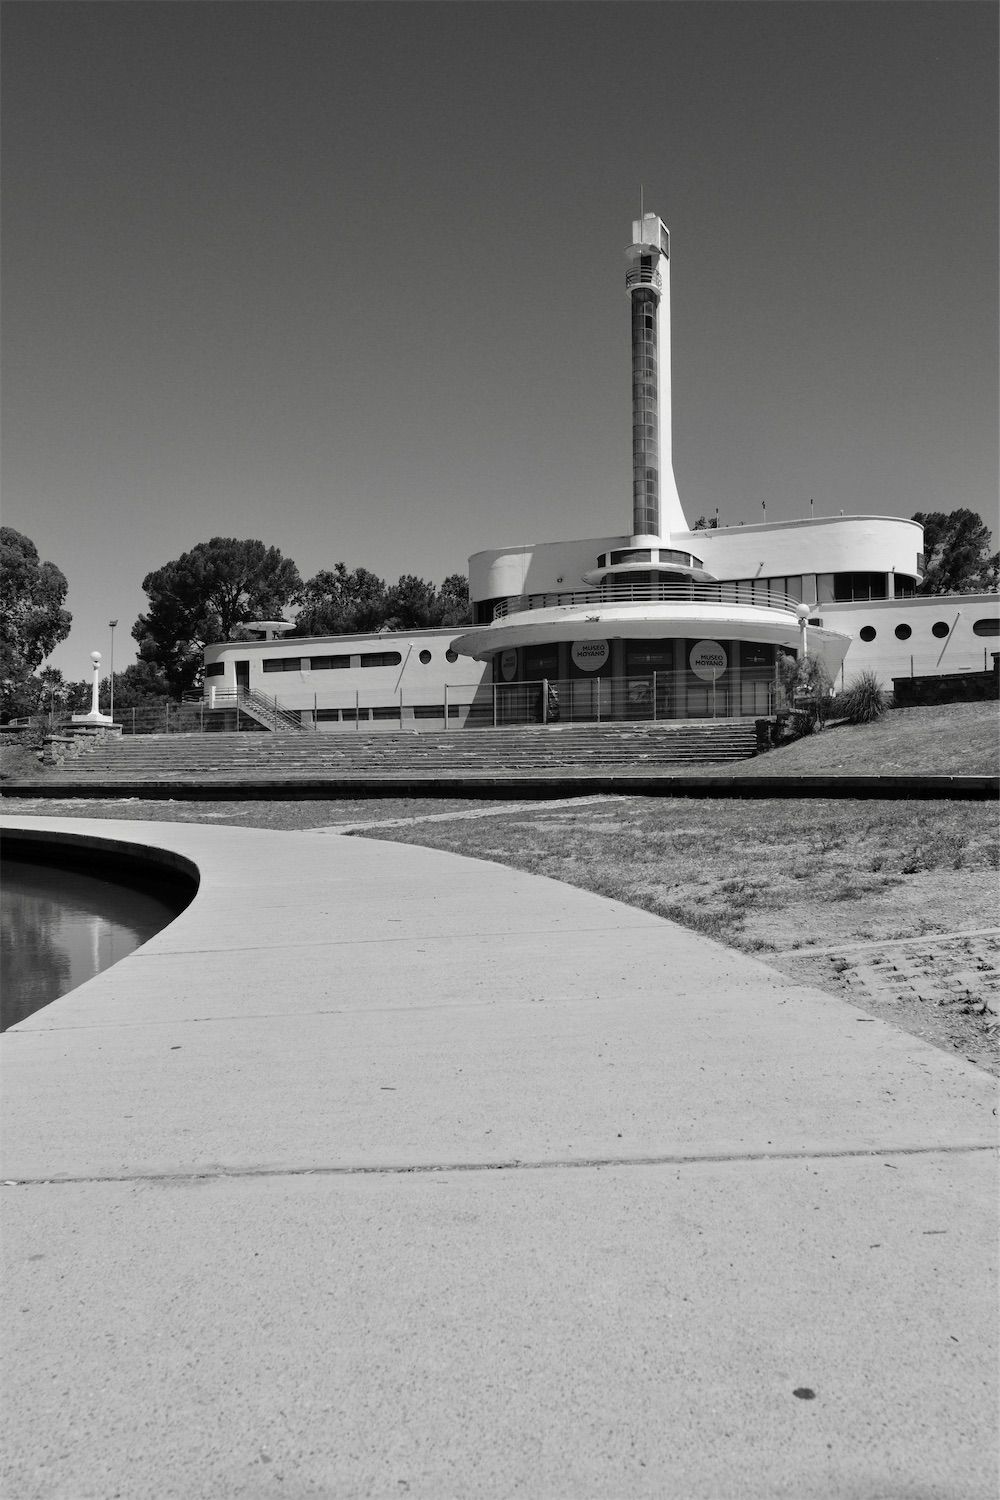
(667, 590)
(637, 278)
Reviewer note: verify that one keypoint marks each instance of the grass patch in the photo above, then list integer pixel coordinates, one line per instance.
(286, 814)
(757, 875)
(949, 739)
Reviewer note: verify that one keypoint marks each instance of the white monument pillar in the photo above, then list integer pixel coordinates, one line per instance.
(95, 716)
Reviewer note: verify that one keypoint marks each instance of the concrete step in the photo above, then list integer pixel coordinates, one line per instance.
(522, 750)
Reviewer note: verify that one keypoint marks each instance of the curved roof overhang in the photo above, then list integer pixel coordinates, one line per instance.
(635, 621)
(656, 621)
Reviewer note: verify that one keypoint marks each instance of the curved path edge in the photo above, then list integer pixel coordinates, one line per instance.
(413, 1170)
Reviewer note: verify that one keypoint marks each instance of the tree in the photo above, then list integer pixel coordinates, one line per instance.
(32, 619)
(957, 553)
(140, 685)
(453, 606)
(705, 523)
(342, 602)
(203, 595)
(808, 688)
(410, 604)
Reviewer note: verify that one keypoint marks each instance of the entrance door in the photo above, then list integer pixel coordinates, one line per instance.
(242, 674)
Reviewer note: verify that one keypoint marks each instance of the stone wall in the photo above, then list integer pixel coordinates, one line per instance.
(951, 687)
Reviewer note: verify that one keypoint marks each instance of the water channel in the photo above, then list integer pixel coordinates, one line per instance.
(61, 924)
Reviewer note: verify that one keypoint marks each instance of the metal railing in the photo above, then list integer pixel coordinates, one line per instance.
(263, 708)
(636, 277)
(665, 591)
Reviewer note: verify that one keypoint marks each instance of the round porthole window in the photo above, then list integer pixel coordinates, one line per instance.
(903, 632)
(867, 632)
(451, 655)
(425, 657)
(940, 629)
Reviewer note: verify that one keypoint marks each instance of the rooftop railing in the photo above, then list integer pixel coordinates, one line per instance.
(666, 591)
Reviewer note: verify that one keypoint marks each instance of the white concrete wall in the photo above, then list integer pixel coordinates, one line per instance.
(888, 656)
(540, 567)
(419, 683)
(829, 544)
(672, 518)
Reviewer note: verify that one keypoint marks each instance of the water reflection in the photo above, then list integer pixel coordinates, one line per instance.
(60, 927)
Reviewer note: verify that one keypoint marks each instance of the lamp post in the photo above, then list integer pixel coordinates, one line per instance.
(111, 626)
(803, 611)
(95, 708)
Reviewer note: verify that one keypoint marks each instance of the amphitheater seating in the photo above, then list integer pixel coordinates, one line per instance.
(346, 756)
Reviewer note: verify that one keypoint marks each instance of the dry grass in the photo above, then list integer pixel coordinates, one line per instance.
(950, 739)
(291, 812)
(744, 872)
(773, 877)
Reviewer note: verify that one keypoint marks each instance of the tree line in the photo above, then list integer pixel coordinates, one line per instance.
(210, 593)
(205, 596)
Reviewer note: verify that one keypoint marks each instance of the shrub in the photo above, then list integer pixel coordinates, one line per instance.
(864, 701)
(807, 688)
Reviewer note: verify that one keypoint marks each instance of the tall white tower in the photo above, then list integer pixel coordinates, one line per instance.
(656, 506)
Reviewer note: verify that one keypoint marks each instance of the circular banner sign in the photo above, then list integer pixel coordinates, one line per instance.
(589, 656)
(708, 660)
(508, 665)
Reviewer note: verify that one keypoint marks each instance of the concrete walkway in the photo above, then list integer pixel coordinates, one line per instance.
(383, 1172)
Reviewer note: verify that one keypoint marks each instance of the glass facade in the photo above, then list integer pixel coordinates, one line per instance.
(641, 679)
(645, 415)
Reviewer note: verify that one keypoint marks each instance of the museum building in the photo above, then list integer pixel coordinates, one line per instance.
(661, 622)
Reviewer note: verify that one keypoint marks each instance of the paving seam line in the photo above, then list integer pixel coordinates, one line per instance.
(512, 1164)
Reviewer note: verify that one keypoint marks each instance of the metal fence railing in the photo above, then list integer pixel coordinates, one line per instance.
(666, 590)
(657, 696)
(653, 696)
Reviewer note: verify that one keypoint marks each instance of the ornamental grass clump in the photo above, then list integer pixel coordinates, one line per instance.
(864, 701)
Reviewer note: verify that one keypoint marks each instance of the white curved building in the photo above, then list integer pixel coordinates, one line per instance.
(660, 622)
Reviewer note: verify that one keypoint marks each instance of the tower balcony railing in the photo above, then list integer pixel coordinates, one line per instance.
(636, 278)
(666, 591)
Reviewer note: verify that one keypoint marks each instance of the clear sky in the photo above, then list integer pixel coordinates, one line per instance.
(350, 277)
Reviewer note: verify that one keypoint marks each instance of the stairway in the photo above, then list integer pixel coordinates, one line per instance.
(205, 759)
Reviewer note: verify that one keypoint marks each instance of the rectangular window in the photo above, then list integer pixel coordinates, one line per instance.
(824, 588)
(282, 664)
(847, 586)
(215, 669)
(431, 710)
(756, 654)
(385, 713)
(329, 663)
(381, 659)
(351, 715)
(648, 656)
(328, 715)
(541, 662)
